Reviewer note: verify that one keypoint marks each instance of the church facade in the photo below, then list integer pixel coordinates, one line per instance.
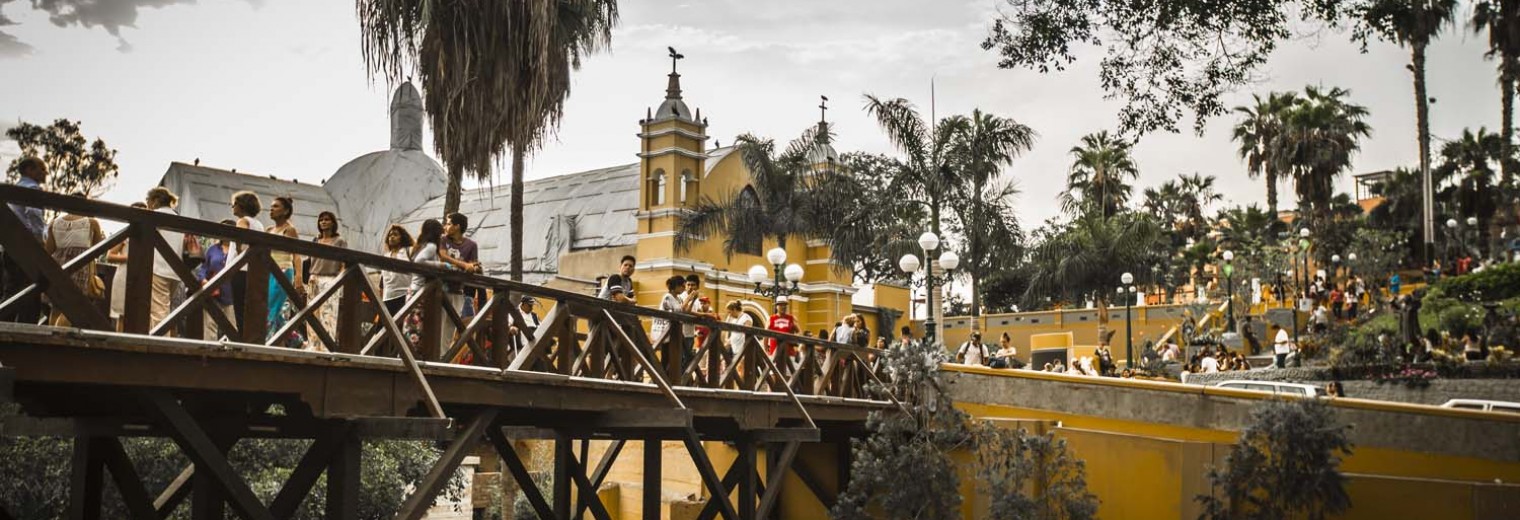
(576, 226)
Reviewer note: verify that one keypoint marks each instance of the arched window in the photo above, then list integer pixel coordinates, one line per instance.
(748, 201)
(656, 188)
(688, 186)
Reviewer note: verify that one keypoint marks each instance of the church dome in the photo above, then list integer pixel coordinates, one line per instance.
(673, 108)
(379, 188)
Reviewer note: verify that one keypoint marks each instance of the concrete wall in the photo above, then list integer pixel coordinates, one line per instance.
(1148, 446)
(1439, 391)
(1148, 322)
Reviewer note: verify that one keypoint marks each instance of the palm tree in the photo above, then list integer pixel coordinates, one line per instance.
(1323, 132)
(1099, 169)
(1501, 20)
(984, 146)
(1411, 23)
(1086, 256)
(1468, 163)
(786, 198)
(1259, 133)
(495, 75)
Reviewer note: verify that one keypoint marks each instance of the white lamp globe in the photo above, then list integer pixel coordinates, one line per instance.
(793, 273)
(1335, 259)
(1127, 278)
(1451, 223)
(909, 263)
(949, 261)
(929, 241)
(757, 274)
(1472, 221)
(1304, 232)
(1351, 257)
(776, 256)
(1229, 256)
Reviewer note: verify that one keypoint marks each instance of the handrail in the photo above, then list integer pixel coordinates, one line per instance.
(545, 354)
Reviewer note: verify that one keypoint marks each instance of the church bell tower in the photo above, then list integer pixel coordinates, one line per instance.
(672, 160)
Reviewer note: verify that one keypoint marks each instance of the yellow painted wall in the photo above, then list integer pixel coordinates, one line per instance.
(1149, 323)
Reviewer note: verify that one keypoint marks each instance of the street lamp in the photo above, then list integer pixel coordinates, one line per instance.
(1127, 292)
(1229, 289)
(778, 289)
(1303, 246)
(910, 264)
(1335, 267)
(1351, 264)
(1451, 226)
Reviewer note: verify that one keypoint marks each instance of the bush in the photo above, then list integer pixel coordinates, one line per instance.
(1285, 465)
(1010, 463)
(1497, 282)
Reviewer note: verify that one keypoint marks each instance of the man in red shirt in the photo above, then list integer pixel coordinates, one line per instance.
(781, 321)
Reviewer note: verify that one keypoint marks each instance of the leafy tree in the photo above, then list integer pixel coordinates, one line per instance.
(1413, 24)
(873, 229)
(1084, 257)
(914, 441)
(787, 197)
(1011, 462)
(1468, 165)
(1285, 465)
(1378, 251)
(495, 75)
(1260, 133)
(1100, 168)
(75, 165)
(1324, 131)
(1164, 58)
(1501, 20)
(1003, 290)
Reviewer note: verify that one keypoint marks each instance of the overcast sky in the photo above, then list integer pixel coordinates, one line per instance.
(278, 87)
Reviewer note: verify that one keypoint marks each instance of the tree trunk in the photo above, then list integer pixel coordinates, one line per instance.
(516, 265)
(451, 195)
(1271, 191)
(1507, 119)
(1422, 118)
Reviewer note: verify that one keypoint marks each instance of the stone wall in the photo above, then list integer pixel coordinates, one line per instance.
(1439, 391)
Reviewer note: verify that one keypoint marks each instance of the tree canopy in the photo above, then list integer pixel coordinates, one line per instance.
(75, 164)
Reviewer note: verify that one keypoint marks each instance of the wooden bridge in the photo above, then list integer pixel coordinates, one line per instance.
(589, 371)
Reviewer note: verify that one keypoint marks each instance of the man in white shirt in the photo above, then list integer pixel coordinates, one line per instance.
(1281, 345)
(1209, 364)
(972, 352)
(166, 281)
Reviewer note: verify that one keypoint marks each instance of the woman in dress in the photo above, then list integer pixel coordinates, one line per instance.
(288, 263)
(67, 237)
(324, 273)
(398, 245)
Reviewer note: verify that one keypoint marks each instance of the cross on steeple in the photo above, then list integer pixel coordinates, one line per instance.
(823, 109)
(674, 56)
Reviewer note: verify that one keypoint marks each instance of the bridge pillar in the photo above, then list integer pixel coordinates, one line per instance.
(653, 453)
(564, 450)
(87, 478)
(343, 478)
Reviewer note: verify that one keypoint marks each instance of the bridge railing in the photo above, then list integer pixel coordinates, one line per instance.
(581, 336)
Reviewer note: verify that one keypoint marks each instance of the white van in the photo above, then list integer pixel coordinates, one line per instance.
(1299, 389)
(1483, 405)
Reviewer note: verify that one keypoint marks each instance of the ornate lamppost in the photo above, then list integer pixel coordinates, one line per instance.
(1127, 293)
(1303, 245)
(1229, 290)
(778, 288)
(910, 264)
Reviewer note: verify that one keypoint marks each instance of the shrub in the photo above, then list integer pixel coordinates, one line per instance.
(1285, 465)
(1497, 282)
(1010, 463)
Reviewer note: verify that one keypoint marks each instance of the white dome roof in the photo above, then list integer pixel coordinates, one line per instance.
(379, 188)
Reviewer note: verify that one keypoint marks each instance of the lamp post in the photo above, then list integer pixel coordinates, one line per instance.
(1127, 292)
(1335, 268)
(910, 264)
(1229, 290)
(779, 288)
(1472, 227)
(1303, 246)
(1451, 229)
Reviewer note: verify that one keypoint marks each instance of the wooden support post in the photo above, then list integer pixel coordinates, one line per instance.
(563, 452)
(519, 473)
(298, 485)
(211, 466)
(501, 337)
(206, 502)
(844, 460)
(255, 297)
(652, 457)
(429, 347)
(775, 471)
(747, 481)
(349, 315)
(709, 475)
(343, 477)
(427, 490)
(139, 283)
(86, 479)
(588, 497)
(128, 483)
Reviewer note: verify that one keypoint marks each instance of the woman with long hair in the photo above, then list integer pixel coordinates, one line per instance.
(324, 273)
(397, 245)
(67, 237)
(289, 263)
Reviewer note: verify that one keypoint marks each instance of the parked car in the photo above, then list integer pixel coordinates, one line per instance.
(1300, 389)
(1483, 405)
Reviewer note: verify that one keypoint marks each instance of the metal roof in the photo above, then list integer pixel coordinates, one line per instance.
(206, 193)
(587, 210)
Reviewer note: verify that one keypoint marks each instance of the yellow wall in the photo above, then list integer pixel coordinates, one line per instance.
(1148, 322)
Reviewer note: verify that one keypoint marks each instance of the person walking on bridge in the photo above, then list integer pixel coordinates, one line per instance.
(165, 280)
(33, 172)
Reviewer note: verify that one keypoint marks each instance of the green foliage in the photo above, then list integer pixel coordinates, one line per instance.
(1285, 465)
(914, 442)
(1497, 282)
(1085, 257)
(75, 165)
(522, 509)
(1011, 462)
(1101, 168)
